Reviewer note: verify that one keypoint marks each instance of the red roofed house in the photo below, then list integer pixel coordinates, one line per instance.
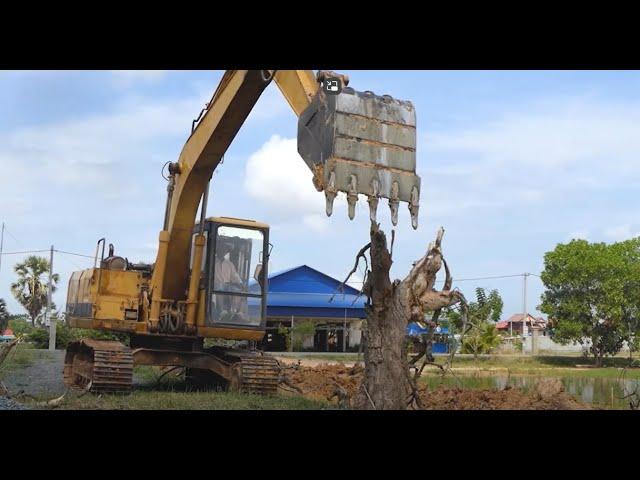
(7, 335)
(515, 322)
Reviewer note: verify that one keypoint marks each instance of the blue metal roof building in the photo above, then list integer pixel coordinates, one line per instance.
(304, 293)
(440, 344)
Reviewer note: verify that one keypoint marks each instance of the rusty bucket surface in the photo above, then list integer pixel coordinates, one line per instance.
(362, 143)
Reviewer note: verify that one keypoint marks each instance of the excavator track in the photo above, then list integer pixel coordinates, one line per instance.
(256, 374)
(99, 366)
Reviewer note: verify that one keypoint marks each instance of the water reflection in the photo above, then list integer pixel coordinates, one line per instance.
(601, 392)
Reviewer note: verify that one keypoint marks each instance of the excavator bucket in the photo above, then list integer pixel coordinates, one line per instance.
(362, 143)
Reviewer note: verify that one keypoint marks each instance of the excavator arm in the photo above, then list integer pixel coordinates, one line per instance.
(357, 143)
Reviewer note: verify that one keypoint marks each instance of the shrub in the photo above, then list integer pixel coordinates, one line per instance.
(300, 332)
(20, 326)
(39, 337)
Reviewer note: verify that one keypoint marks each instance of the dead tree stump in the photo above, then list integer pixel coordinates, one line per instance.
(387, 384)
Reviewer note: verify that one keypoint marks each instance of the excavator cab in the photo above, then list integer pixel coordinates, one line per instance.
(237, 252)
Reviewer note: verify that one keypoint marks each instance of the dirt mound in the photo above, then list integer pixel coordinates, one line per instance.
(324, 381)
(339, 383)
(452, 398)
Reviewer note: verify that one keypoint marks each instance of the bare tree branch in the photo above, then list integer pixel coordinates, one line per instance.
(361, 254)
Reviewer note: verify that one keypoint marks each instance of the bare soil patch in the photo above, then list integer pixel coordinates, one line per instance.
(326, 381)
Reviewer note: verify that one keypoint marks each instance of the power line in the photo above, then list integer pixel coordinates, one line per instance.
(26, 251)
(76, 254)
(11, 235)
(47, 250)
(71, 262)
(489, 278)
(461, 279)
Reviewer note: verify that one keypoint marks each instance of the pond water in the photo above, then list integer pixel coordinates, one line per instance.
(601, 392)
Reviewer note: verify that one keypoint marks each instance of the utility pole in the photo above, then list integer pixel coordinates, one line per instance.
(291, 336)
(524, 310)
(344, 332)
(52, 323)
(1, 244)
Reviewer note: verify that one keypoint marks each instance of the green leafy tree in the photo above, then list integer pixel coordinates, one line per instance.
(629, 251)
(30, 290)
(483, 337)
(20, 325)
(300, 332)
(592, 294)
(4, 316)
(286, 333)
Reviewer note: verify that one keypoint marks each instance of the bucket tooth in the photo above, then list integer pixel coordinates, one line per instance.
(414, 219)
(414, 205)
(330, 193)
(373, 199)
(373, 207)
(352, 196)
(394, 203)
(329, 197)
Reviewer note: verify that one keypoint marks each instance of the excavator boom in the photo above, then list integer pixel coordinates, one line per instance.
(356, 143)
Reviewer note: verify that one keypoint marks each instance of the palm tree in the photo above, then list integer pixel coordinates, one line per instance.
(4, 316)
(483, 313)
(31, 289)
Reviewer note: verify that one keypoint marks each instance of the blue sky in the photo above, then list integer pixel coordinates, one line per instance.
(511, 164)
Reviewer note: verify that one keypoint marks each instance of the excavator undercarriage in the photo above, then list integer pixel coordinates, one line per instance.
(102, 366)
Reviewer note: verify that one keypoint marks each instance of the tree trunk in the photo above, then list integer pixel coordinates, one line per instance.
(599, 356)
(387, 383)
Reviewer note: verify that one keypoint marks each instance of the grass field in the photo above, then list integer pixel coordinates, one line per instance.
(544, 365)
(180, 400)
(30, 367)
(21, 356)
(574, 365)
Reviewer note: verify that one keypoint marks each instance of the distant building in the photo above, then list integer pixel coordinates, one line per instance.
(303, 294)
(441, 339)
(7, 335)
(514, 323)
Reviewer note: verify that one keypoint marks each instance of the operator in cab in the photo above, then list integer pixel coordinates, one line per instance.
(226, 274)
(229, 308)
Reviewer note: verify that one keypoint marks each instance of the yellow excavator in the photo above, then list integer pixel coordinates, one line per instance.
(210, 277)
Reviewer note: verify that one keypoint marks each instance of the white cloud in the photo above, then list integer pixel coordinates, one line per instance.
(621, 232)
(577, 139)
(578, 235)
(127, 78)
(277, 175)
(559, 134)
(551, 158)
(86, 151)
(279, 179)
